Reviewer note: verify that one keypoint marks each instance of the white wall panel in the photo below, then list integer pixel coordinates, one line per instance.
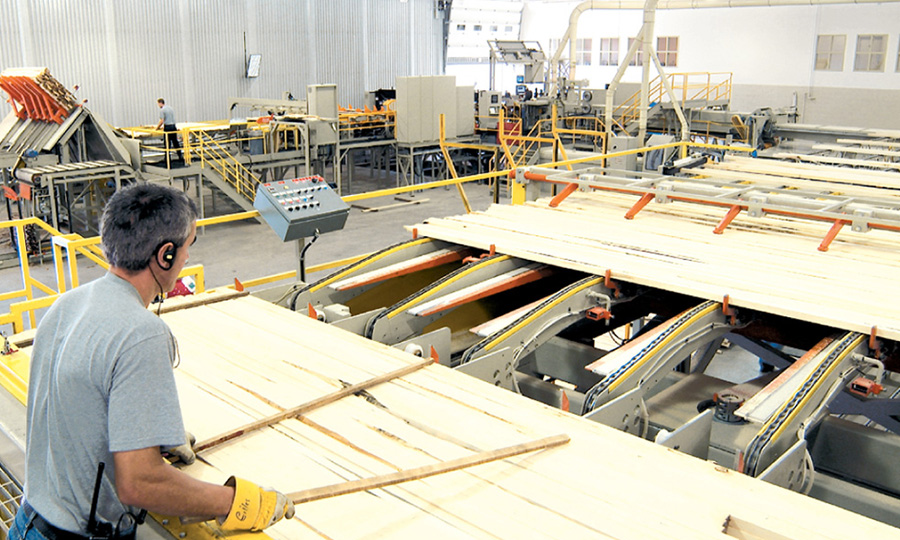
(126, 53)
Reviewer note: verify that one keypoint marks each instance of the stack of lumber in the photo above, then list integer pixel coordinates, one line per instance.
(244, 359)
(834, 160)
(769, 264)
(773, 173)
(42, 78)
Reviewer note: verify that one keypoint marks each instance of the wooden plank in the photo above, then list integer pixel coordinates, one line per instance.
(774, 180)
(834, 160)
(603, 484)
(870, 142)
(841, 175)
(426, 471)
(769, 264)
(312, 405)
(856, 150)
(208, 297)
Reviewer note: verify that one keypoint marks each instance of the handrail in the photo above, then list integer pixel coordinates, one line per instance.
(704, 90)
(232, 171)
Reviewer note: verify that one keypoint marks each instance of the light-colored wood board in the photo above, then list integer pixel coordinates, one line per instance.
(782, 182)
(763, 263)
(834, 160)
(870, 142)
(856, 150)
(603, 484)
(810, 171)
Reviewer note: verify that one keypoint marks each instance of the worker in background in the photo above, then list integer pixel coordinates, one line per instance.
(167, 123)
(102, 401)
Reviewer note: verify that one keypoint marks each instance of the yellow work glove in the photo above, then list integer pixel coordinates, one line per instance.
(183, 452)
(254, 508)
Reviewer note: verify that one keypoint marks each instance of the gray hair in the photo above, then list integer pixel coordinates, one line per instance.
(139, 219)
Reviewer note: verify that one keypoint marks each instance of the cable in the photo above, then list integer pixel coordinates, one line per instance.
(176, 361)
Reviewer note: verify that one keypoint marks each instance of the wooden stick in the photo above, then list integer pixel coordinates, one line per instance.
(365, 484)
(310, 405)
(385, 480)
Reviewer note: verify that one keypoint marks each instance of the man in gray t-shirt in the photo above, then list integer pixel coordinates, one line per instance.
(167, 123)
(102, 393)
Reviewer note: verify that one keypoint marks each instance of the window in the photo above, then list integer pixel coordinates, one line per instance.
(583, 51)
(667, 50)
(461, 27)
(609, 52)
(830, 53)
(870, 51)
(638, 58)
(493, 28)
(508, 29)
(477, 28)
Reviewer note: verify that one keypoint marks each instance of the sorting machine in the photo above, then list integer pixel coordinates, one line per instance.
(636, 357)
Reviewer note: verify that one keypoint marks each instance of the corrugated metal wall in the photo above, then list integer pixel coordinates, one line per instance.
(123, 54)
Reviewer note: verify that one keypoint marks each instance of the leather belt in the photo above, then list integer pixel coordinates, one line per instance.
(48, 529)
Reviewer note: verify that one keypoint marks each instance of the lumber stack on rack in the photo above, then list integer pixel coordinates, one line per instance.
(36, 94)
(801, 175)
(770, 264)
(245, 359)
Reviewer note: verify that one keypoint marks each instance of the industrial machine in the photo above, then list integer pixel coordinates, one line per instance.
(58, 160)
(638, 357)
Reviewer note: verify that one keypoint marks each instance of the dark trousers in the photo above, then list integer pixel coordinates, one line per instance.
(172, 139)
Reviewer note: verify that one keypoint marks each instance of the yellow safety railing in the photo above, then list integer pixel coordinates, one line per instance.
(708, 87)
(518, 148)
(65, 249)
(221, 130)
(219, 159)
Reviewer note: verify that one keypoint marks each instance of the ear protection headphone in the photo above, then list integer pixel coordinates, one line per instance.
(168, 255)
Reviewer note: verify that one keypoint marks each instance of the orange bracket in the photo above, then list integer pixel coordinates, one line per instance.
(238, 286)
(564, 401)
(598, 313)
(490, 253)
(874, 344)
(607, 280)
(10, 194)
(561, 196)
(311, 311)
(728, 311)
(638, 206)
(729, 217)
(835, 229)
(415, 233)
(434, 355)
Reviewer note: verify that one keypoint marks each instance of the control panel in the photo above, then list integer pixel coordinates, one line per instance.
(297, 208)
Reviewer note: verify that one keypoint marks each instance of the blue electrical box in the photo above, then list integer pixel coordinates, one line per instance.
(300, 207)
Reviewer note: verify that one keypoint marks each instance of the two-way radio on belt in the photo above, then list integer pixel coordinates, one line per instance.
(101, 530)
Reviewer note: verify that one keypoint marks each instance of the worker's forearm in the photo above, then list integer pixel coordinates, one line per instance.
(159, 487)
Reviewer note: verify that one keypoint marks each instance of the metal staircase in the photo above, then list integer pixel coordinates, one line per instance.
(694, 91)
(221, 169)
